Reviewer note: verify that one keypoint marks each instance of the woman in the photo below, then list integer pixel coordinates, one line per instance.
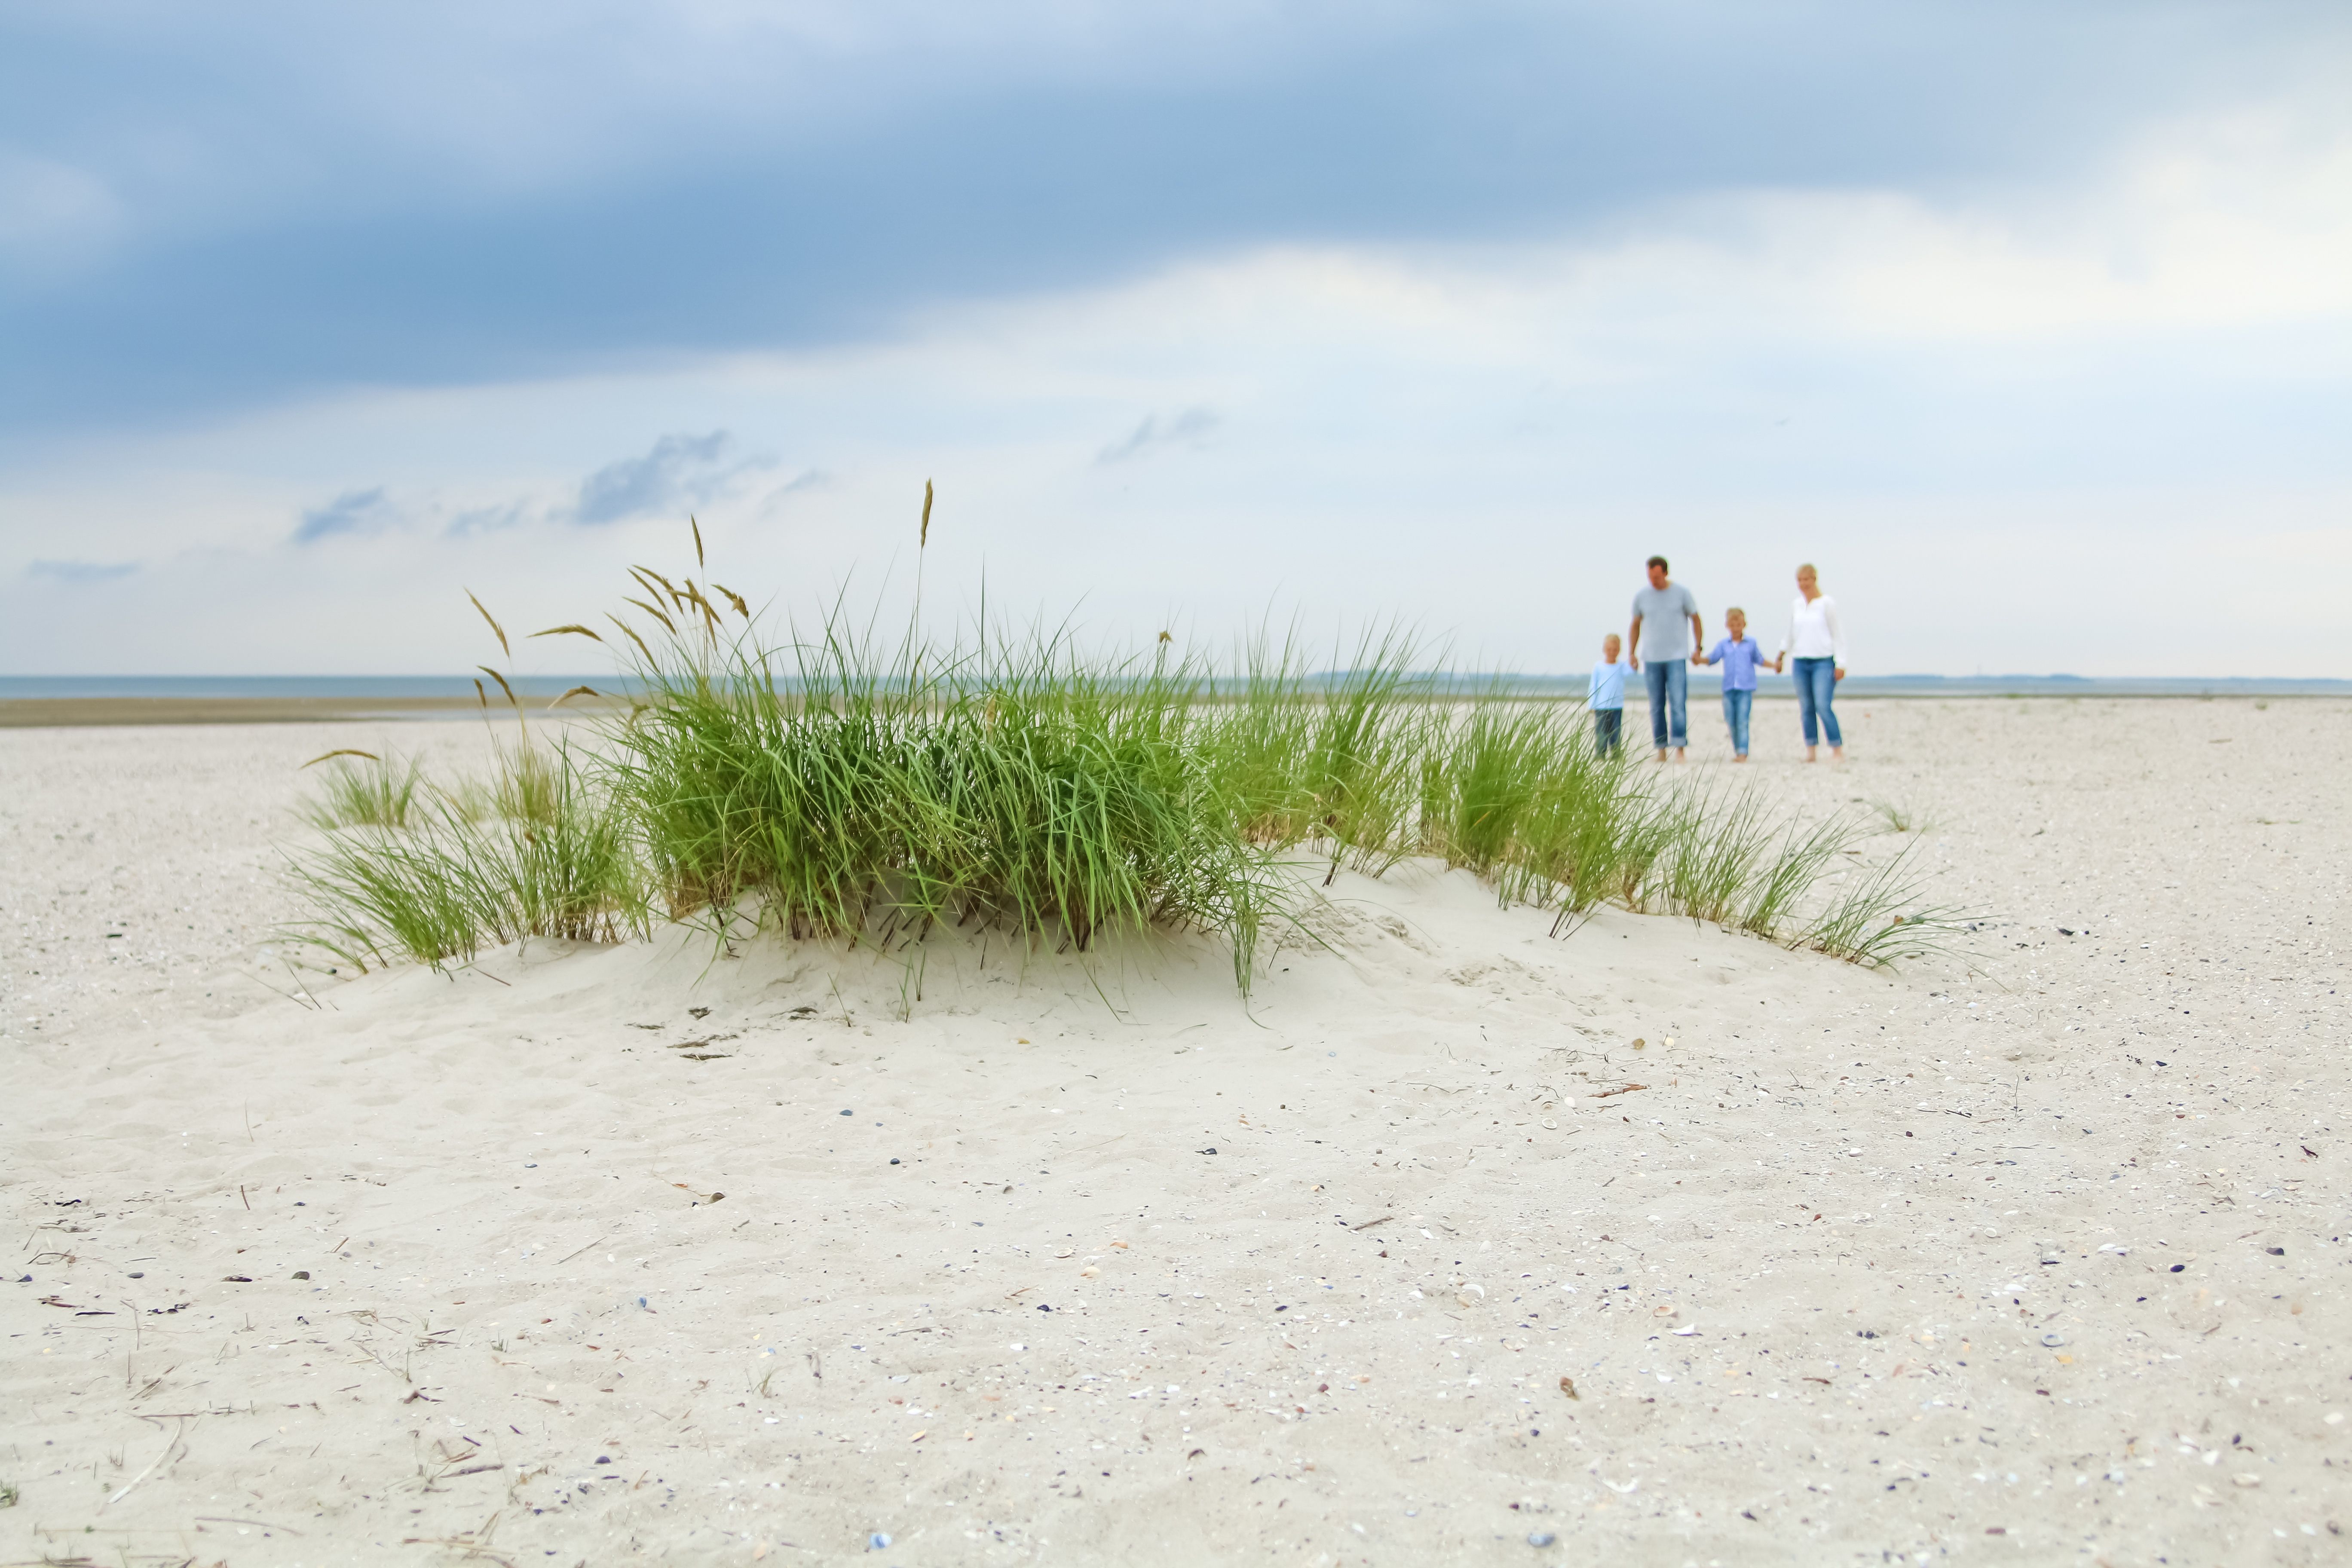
(1817, 641)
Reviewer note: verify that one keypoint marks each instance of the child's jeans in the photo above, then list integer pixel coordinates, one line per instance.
(1816, 689)
(1608, 729)
(1737, 705)
(1669, 682)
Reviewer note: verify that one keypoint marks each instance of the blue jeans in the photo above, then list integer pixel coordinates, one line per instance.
(1816, 688)
(1736, 708)
(1669, 682)
(1608, 729)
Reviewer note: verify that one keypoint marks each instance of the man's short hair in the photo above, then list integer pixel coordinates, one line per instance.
(1659, 562)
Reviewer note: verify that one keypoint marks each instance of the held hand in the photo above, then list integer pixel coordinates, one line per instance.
(1634, 663)
(1838, 674)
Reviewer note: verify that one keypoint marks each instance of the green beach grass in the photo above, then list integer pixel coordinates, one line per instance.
(829, 786)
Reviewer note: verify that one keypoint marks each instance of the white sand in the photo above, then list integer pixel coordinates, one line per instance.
(1873, 1268)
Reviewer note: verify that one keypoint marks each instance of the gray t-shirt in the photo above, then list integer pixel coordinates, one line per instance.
(1665, 621)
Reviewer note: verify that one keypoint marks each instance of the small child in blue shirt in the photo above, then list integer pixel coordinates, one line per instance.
(1740, 656)
(1606, 697)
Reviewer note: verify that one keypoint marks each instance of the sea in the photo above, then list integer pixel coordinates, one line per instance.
(216, 687)
(363, 686)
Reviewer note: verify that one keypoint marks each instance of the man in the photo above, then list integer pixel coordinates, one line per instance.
(1670, 614)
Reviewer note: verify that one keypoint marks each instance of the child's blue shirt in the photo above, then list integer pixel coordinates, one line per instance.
(1739, 660)
(1607, 688)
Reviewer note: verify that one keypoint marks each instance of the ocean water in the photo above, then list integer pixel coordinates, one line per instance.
(253, 686)
(550, 686)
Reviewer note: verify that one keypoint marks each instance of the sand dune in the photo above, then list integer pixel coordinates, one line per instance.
(711, 1251)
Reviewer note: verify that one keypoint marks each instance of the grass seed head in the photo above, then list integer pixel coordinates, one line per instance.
(500, 630)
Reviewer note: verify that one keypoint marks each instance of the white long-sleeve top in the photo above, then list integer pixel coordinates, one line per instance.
(1814, 631)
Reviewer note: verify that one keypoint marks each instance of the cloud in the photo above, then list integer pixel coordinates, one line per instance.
(81, 571)
(1189, 428)
(53, 217)
(488, 519)
(1914, 387)
(681, 472)
(278, 190)
(771, 505)
(357, 512)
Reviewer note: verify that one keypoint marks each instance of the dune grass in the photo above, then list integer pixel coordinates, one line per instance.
(448, 878)
(1877, 918)
(833, 786)
(1017, 786)
(361, 789)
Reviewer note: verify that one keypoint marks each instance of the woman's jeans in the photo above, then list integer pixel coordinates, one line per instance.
(1737, 706)
(1669, 682)
(1816, 685)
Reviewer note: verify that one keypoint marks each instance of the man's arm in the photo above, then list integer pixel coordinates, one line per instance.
(1698, 631)
(1633, 645)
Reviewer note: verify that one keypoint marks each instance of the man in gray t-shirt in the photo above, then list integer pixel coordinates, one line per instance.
(1666, 630)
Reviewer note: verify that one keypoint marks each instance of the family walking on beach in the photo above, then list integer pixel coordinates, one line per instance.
(1668, 633)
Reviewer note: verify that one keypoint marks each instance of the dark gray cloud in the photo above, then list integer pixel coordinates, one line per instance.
(335, 211)
(1189, 428)
(81, 571)
(680, 472)
(352, 512)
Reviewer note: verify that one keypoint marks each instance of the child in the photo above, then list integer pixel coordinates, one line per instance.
(1606, 698)
(1740, 656)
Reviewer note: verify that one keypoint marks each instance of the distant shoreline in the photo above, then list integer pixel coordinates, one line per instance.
(121, 712)
(462, 688)
(80, 713)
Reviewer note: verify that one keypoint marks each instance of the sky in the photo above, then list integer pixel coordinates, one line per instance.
(2029, 324)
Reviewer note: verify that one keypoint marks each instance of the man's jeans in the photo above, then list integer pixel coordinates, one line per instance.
(1736, 708)
(1816, 685)
(1669, 683)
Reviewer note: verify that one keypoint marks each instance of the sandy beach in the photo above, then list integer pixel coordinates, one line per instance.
(1455, 1243)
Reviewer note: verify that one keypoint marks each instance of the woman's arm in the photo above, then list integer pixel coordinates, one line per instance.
(1837, 630)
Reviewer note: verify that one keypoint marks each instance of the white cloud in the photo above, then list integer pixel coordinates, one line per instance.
(1187, 428)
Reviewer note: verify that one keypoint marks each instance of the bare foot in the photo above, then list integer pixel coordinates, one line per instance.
(1809, 753)
(1837, 753)
(1740, 757)
(1679, 755)
(1662, 753)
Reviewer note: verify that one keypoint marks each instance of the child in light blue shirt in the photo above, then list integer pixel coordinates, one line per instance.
(1606, 697)
(1740, 656)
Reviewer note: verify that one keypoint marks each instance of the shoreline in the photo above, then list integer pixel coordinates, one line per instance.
(131, 712)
